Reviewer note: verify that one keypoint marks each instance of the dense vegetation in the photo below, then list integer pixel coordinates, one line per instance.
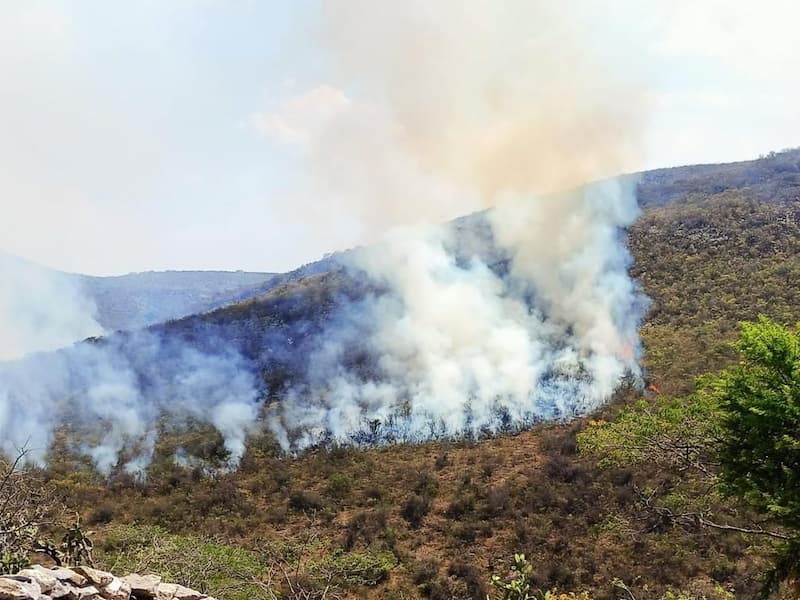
(731, 448)
(713, 247)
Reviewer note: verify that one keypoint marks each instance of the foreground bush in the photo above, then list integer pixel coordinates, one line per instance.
(278, 569)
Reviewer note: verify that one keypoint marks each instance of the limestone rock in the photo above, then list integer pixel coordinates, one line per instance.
(86, 583)
(88, 592)
(143, 587)
(95, 576)
(19, 588)
(69, 576)
(61, 591)
(173, 591)
(44, 577)
(116, 589)
(48, 580)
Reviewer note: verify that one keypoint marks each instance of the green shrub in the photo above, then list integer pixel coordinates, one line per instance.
(216, 569)
(357, 568)
(339, 485)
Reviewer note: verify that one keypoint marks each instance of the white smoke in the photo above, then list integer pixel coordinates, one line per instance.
(468, 348)
(114, 391)
(40, 309)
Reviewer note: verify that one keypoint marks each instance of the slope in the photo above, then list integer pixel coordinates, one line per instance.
(452, 512)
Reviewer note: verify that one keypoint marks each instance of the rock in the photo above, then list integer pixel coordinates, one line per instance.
(116, 590)
(95, 576)
(44, 577)
(61, 590)
(88, 592)
(143, 587)
(173, 591)
(60, 583)
(47, 580)
(69, 576)
(166, 591)
(19, 588)
(86, 583)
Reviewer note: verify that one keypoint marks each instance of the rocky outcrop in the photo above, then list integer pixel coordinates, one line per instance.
(85, 583)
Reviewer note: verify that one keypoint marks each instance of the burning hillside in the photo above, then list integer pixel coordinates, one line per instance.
(442, 332)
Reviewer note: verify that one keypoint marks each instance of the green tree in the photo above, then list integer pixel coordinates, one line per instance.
(759, 450)
(760, 401)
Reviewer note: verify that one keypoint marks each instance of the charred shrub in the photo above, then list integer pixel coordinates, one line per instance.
(565, 469)
(471, 577)
(498, 500)
(561, 576)
(101, 515)
(373, 495)
(414, 509)
(460, 507)
(303, 500)
(426, 485)
(425, 576)
(424, 572)
(365, 526)
(442, 460)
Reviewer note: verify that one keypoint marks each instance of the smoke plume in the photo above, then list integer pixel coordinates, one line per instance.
(538, 323)
(457, 106)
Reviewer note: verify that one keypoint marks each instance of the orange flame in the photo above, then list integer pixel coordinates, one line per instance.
(654, 388)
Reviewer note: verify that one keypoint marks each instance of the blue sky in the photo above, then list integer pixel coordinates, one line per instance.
(191, 133)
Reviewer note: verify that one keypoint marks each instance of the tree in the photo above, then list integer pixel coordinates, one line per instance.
(29, 509)
(760, 401)
(759, 450)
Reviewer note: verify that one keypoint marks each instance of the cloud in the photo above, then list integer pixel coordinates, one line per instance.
(303, 117)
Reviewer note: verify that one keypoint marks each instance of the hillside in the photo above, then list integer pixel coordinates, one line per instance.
(704, 231)
(774, 177)
(711, 247)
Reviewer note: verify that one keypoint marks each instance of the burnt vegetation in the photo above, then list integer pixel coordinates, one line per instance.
(714, 245)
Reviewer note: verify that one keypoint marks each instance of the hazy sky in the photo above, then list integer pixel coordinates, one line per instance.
(170, 134)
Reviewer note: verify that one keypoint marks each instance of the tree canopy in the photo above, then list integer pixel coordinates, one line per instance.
(760, 402)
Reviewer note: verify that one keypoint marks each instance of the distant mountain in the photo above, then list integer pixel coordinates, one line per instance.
(141, 299)
(131, 301)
